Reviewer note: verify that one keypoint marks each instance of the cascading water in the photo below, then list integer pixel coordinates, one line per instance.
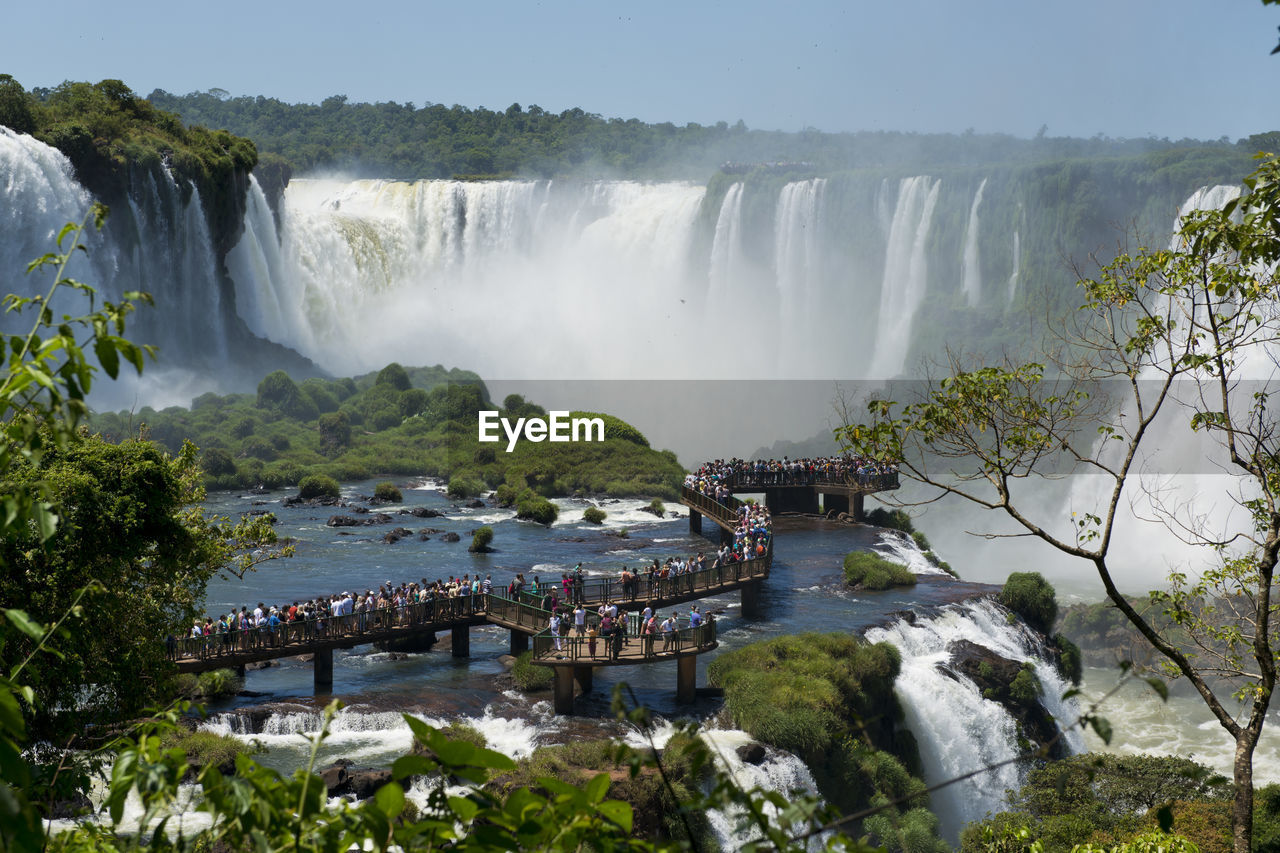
(726, 249)
(972, 281)
(797, 263)
(957, 729)
(905, 273)
(1017, 265)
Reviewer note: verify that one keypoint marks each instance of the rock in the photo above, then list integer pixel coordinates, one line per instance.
(430, 531)
(360, 509)
(352, 521)
(76, 806)
(365, 783)
(673, 514)
(422, 537)
(507, 661)
(752, 753)
(421, 512)
(261, 664)
(335, 779)
(451, 537)
(476, 504)
(908, 616)
(993, 674)
(396, 535)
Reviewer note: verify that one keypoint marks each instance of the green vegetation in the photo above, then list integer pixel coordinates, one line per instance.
(438, 141)
(530, 678)
(318, 486)
(1032, 597)
(112, 137)
(896, 519)
(207, 749)
(387, 491)
(594, 514)
(866, 570)
(534, 507)
(660, 811)
(480, 540)
(288, 431)
(206, 686)
(657, 508)
(829, 699)
(1105, 799)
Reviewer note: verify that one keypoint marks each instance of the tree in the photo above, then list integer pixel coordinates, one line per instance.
(131, 531)
(1173, 334)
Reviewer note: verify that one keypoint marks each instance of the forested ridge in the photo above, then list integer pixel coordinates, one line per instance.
(394, 140)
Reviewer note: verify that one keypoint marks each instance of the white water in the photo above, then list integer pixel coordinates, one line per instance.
(797, 260)
(905, 274)
(780, 771)
(972, 280)
(959, 731)
(726, 249)
(1017, 265)
(902, 549)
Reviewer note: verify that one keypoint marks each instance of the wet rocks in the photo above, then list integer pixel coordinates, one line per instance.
(396, 535)
(450, 537)
(421, 512)
(352, 521)
(752, 753)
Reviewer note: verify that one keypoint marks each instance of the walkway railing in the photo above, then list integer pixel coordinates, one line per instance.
(441, 611)
(775, 479)
(638, 648)
(724, 513)
(651, 587)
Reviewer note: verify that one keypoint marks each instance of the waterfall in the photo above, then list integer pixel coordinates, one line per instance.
(972, 281)
(1017, 265)
(958, 730)
(726, 248)
(905, 273)
(1205, 198)
(797, 262)
(780, 771)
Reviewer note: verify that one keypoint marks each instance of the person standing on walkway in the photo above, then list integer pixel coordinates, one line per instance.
(554, 625)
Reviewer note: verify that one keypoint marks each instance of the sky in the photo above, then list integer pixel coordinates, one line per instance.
(1120, 68)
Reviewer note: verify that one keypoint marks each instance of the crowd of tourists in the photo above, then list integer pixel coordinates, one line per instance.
(722, 476)
(412, 603)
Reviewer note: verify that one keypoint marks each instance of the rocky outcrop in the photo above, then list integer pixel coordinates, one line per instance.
(354, 521)
(1014, 686)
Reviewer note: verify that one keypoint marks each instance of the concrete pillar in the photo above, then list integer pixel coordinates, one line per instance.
(695, 521)
(582, 674)
(564, 689)
(836, 503)
(322, 668)
(686, 678)
(519, 642)
(751, 599)
(242, 671)
(859, 514)
(461, 641)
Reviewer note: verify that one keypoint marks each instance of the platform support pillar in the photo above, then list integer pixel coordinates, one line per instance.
(751, 599)
(461, 641)
(582, 674)
(695, 521)
(564, 689)
(859, 513)
(322, 668)
(686, 679)
(519, 642)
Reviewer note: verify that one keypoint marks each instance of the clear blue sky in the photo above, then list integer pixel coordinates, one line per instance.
(1123, 68)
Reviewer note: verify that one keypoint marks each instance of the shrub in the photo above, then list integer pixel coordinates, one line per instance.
(218, 463)
(480, 540)
(207, 749)
(614, 427)
(1070, 663)
(412, 402)
(1030, 596)
(895, 519)
(464, 485)
(595, 515)
(318, 486)
(922, 541)
(1025, 687)
(387, 491)
(277, 391)
(530, 678)
(534, 507)
(657, 508)
(871, 571)
(395, 376)
(335, 431)
(258, 448)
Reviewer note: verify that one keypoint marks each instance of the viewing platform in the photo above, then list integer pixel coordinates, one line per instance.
(524, 616)
(787, 493)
